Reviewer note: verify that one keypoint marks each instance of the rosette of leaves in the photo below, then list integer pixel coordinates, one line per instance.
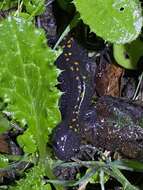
(117, 21)
(27, 83)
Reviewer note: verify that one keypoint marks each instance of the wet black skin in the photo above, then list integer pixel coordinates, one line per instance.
(66, 142)
(113, 124)
(77, 83)
(116, 125)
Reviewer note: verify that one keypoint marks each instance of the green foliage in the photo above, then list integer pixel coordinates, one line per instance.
(96, 177)
(27, 84)
(116, 173)
(4, 124)
(34, 7)
(113, 20)
(128, 55)
(7, 4)
(27, 81)
(33, 181)
(100, 171)
(3, 161)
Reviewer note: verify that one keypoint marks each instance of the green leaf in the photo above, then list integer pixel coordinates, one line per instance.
(4, 124)
(128, 55)
(7, 4)
(3, 161)
(117, 21)
(132, 165)
(96, 177)
(115, 173)
(87, 177)
(27, 81)
(33, 180)
(34, 7)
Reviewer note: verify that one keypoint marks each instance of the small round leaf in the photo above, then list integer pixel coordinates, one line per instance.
(128, 55)
(117, 21)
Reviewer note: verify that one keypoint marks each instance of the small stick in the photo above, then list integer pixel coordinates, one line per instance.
(138, 86)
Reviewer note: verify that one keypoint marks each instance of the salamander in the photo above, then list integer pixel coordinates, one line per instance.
(77, 84)
(110, 123)
(115, 124)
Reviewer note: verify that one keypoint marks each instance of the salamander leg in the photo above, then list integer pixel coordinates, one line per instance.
(66, 142)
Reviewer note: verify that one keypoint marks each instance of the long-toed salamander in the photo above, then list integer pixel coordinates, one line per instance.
(113, 124)
(77, 83)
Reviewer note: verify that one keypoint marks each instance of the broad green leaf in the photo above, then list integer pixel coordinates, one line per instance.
(128, 55)
(117, 21)
(27, 81)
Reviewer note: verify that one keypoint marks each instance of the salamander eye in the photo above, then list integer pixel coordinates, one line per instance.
(66, 143)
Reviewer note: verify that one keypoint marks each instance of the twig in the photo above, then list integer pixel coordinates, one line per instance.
(62, 36)
(138, 86)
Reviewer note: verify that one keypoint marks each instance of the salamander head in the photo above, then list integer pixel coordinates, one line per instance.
(66, 142)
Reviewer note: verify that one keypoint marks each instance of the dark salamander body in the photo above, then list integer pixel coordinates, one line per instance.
(112, 124)
(116, 125)
(77, 83)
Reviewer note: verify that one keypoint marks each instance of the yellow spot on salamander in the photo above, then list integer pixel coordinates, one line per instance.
(75, 129)
(65, 54)
(69, 46)
(69, 41)
(69, 53)
(70, 126)
(76, 63)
